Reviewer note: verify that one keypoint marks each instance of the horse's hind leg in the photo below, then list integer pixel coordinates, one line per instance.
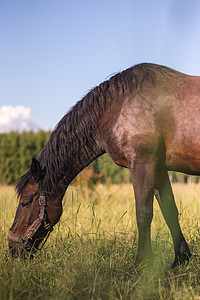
(169, 210)
(142, 173)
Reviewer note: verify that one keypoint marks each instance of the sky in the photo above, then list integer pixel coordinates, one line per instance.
(53, 52)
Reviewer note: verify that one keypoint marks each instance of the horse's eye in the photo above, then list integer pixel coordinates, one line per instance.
(25, 202)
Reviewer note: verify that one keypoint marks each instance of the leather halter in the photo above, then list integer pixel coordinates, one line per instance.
(12, 237)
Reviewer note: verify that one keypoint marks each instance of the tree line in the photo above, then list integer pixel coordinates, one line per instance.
(18, 149)
(16, 152)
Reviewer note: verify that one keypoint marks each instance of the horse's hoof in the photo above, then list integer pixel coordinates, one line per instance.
(179, 260)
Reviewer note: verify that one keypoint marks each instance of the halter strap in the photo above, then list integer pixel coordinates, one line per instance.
(35, 226)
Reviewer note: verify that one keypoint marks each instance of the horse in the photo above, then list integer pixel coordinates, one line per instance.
(147, 118)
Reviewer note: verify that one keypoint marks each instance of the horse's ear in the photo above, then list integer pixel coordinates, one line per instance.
(36, 169)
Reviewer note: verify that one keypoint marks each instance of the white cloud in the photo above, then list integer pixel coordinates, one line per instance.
(16, 118)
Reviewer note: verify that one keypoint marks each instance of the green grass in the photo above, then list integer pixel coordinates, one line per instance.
(91, 253)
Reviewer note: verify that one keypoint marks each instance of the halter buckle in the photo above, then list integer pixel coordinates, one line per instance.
(42, 200)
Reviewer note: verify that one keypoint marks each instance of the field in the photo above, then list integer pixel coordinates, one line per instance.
(91, 253)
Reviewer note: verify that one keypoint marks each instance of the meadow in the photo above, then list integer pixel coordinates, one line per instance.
(91, 252)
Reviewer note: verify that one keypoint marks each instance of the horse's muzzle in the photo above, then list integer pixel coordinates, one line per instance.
(21, 250)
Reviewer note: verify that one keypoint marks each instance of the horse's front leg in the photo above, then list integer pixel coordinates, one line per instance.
(142, 173)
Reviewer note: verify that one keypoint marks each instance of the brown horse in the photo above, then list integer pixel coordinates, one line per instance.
(147, 118)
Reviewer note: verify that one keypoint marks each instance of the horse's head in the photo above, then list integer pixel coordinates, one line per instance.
(37, 213)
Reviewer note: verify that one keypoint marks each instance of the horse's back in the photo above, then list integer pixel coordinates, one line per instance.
(164, 113)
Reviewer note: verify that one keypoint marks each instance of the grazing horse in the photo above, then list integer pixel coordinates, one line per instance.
(147, 118)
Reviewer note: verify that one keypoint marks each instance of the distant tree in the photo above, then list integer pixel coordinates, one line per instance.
(110, 170)
(16, 152)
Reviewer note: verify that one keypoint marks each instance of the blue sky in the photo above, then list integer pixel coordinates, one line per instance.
(53, 52)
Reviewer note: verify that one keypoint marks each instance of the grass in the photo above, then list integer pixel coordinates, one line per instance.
(91, 253)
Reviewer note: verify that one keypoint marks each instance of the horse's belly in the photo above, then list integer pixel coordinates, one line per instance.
(183, 162)
(183, 147)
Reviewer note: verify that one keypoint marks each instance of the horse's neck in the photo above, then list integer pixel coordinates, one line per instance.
(82, 158)
(65, 162)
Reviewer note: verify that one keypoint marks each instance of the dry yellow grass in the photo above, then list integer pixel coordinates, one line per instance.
(91, 252)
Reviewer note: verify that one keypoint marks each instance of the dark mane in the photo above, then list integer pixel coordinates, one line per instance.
(76, 130)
